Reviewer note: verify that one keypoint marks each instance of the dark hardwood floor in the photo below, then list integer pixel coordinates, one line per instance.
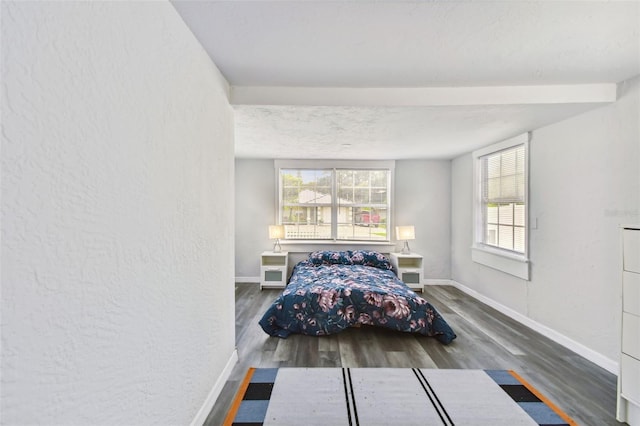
(486, 339)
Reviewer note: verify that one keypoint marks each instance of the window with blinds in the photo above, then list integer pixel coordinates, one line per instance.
(500, 210)
(503, 199)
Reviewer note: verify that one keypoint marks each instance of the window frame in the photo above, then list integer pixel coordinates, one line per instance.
(508, 261)
(335, 165)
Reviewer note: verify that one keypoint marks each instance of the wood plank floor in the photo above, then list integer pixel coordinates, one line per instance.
(486, 339)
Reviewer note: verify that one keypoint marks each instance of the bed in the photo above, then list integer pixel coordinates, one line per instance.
(333, 290)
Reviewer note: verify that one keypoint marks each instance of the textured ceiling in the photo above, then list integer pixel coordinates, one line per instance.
(384, 133)
(399, 44)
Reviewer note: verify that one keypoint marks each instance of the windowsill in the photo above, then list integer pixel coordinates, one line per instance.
(510, 263)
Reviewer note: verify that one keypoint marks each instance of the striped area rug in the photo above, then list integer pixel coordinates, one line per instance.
(390, 396)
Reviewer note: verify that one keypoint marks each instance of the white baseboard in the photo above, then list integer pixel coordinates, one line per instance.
(432, 281)
(206, 408)
(585, 352)
(248, 280)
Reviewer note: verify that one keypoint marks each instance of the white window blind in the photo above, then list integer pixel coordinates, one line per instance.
(503, 198)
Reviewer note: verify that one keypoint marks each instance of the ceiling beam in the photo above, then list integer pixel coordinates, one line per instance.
(424, 96)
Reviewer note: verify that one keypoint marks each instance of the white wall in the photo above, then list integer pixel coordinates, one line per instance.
(117, 216)
(422, 198)
(255, 211)
(584, 182)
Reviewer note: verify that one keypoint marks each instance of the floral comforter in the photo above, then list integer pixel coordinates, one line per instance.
(326, 298)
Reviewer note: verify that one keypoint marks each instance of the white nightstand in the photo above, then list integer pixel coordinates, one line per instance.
(408, 268)
(273, 269)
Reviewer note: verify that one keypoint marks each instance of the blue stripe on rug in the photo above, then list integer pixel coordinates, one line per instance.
(502, 377)
(252, 411)
(264, 375)
(541, 413)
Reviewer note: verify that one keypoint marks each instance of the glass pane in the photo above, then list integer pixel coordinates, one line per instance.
(360, 217)
(520, 159)
(379, 196)
(518, 216)
(382, 214)
(345, 214)
(492, 213)
(345, 195)
(323, 215)
(519, 239)
(508, 163)
(291, 195)
(307, 231)
(323, 178)
(361, 232)
(492, 235)
(311, 196)
(503, 175)
(346, 232)
(505, 237)
(492, 165)
(505, 214)
(366, 217)
(493, 189)
(361, 195)
(345, 177)
(508, 187)
(379, 178)
(292, 215)
(361, 177)
(520, 184)
(291, 177)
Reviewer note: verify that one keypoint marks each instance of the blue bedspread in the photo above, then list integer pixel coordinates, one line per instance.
(327, 298)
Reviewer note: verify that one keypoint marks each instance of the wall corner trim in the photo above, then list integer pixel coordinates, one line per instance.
(207, 406)
(597, 358)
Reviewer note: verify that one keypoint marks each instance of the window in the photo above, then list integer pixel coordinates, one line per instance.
(334, 203)
(503, 199)
(500, 232)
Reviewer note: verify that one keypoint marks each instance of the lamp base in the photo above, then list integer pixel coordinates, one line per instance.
(405, 248)
(276, 247)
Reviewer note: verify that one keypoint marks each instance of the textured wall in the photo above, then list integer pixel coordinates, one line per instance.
(117, 216)
(584, 183)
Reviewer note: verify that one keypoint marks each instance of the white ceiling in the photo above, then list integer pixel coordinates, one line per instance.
(289, 47)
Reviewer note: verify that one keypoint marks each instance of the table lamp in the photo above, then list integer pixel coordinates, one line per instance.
(405, 233)
(275, 233)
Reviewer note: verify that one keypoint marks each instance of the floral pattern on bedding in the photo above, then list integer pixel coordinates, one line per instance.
(350, 257)
(327, 298)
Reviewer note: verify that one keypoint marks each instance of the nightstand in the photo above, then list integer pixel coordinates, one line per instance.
(408, 268)
(273, 269)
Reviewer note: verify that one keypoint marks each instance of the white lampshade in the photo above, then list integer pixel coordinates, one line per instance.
(276, 232)
(405, 233)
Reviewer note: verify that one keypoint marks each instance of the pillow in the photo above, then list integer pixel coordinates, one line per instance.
(329, 257)
(370, 258)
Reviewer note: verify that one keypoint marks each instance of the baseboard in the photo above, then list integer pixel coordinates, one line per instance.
(248, 280)
(206, 408)
(432, 281)
(589, 354)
